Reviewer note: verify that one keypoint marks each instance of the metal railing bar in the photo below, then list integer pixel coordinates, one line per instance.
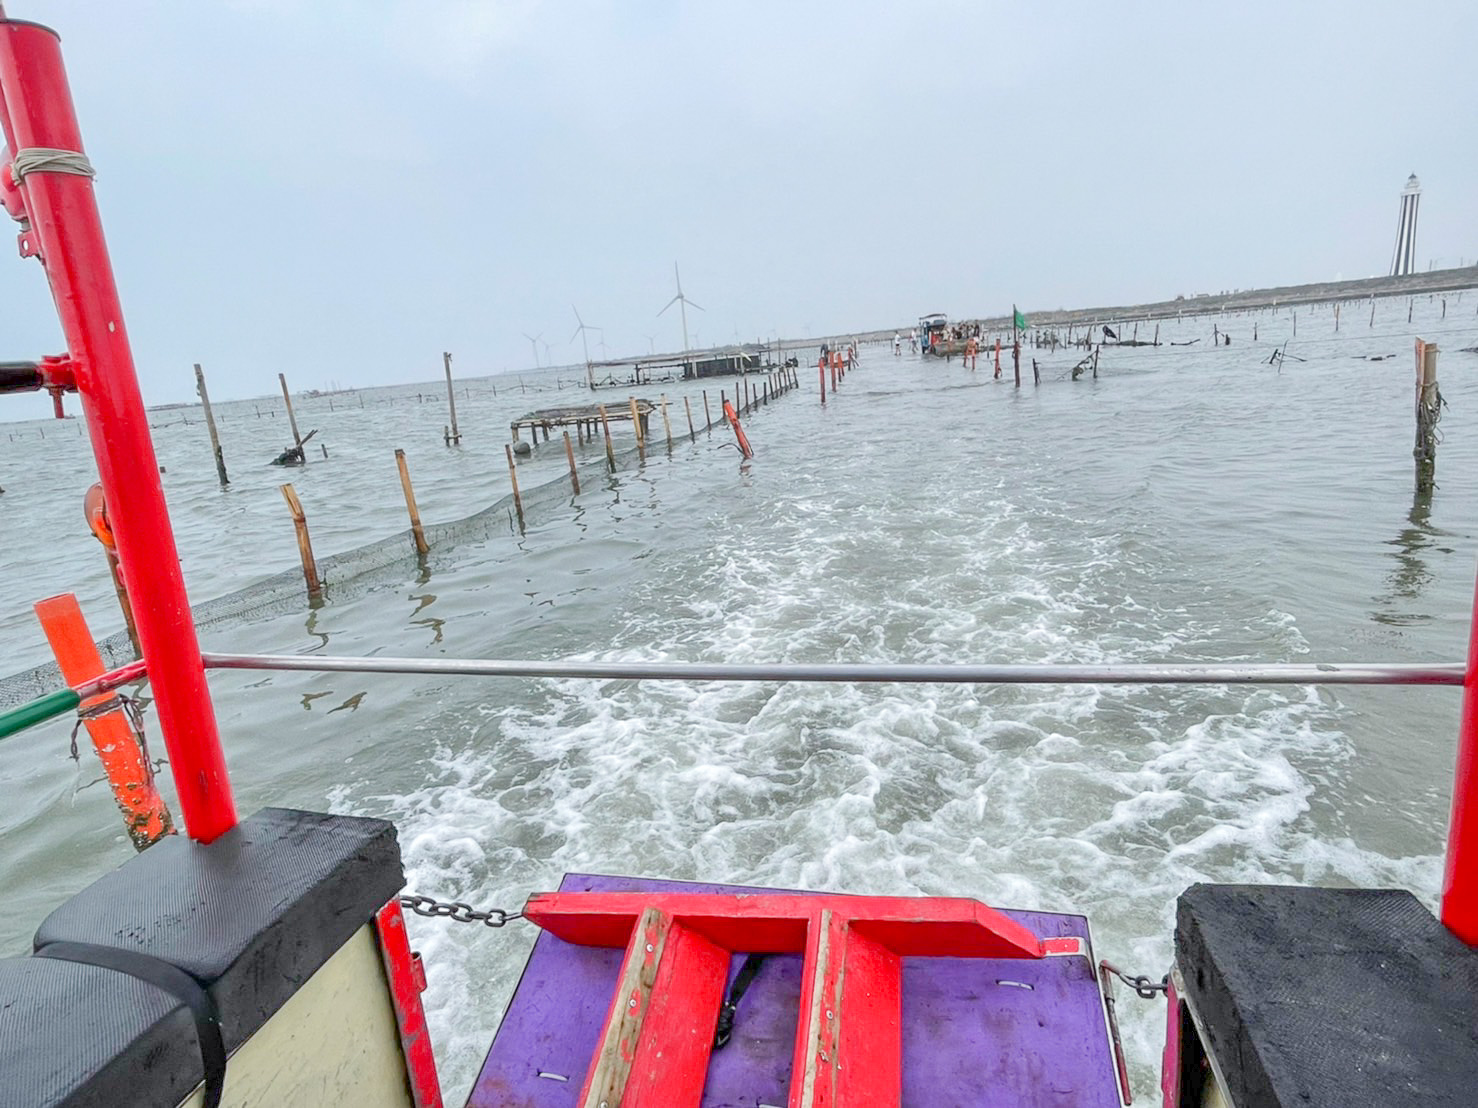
(1296, 673)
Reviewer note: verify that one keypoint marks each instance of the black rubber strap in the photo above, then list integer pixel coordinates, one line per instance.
(171, 979)
(730, 1007)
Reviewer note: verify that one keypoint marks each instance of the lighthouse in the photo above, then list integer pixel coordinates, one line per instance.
(1404, 260)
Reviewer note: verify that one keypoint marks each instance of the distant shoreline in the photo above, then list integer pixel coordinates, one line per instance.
(1438, 280)
(1319, 292)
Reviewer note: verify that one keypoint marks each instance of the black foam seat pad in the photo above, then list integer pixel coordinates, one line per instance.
(250, 916)
(1345, 998)
(88, 1037)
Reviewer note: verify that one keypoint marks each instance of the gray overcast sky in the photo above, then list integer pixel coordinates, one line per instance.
(343, 190)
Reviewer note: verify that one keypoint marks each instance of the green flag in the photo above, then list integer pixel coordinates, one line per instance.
(1020, 320)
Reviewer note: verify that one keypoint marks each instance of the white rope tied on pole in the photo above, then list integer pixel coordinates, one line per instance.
(44, 159)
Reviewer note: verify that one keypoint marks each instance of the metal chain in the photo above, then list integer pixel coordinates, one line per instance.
(131, 708)
(457, 911)
(1144, 987)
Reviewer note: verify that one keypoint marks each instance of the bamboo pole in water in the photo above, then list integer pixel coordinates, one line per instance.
(570, 454)
(666, 423)
(641, 439)
(292, 419)
(610, 449)
(692, 434)
(1428, 402)
(452, 435)
(210, 425)
(513, 477)
(305, 545)
(410, 503)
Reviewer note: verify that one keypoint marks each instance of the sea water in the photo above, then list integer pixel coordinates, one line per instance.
(1193, 503)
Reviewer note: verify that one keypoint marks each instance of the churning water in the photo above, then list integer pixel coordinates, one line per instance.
(1191, 504)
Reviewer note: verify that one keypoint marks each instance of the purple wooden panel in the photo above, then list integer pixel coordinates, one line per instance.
(968, 1039)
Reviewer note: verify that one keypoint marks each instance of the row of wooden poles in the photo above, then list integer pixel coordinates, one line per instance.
(754, 395)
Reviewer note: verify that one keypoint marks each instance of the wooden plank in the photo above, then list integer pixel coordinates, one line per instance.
(941, 927)
(868, 1034)
(670, 1062)
(606, 1081)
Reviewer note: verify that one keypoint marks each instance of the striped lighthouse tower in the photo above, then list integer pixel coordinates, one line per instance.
(1404, 260)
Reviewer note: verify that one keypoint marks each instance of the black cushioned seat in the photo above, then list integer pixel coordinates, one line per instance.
(1346, 998)
(77, 1035)
(251, 917)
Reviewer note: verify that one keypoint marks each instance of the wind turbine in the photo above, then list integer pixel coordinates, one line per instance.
(584, 345)
(534, 342)
(682, 302)
(651, 344)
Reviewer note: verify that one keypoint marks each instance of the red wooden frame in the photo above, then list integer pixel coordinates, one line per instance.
(658, 1033)
(403, 969)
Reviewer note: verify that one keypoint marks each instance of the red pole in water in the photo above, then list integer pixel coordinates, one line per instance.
(55, 193)
(1460, 883)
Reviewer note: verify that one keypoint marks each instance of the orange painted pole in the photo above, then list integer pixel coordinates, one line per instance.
(739, 435)
(146, 817)
(97, 519)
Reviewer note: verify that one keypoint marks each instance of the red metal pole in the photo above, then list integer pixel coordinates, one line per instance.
(1460, 883)
(66, 231)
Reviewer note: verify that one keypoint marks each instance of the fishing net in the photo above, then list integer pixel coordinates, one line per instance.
(346, 575)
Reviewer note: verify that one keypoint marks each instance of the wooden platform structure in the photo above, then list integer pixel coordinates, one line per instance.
(585, 418)
(942, 1001)
(718, 361)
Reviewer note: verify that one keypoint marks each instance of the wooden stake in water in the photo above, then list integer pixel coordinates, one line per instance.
(666, 423)
(570, 454)
(610, 449)
(641, 439)
(513, 477)
(1428, 404)
(692, 434)
(210, 424)
(305, 547)
(707, 415)
(292, 419)
(453, 435)
(410, 503)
